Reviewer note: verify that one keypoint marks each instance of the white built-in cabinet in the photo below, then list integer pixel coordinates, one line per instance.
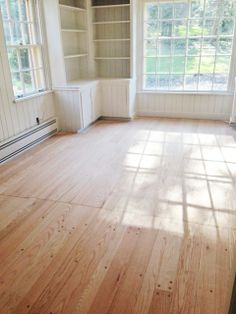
(78, 106)
(91, 53)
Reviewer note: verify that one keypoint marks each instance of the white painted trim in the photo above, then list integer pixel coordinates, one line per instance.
(194, 93)
(39, 94)
(205, 116)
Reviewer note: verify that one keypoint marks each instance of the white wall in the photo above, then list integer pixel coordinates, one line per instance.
(206, 106)
(201, 106)
(18, 117)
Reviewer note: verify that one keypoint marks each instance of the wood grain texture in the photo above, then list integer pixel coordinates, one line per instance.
(130, 217)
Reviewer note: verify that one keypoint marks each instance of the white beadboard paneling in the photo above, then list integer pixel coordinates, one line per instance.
(111, 14)
(68, 109)
(203, 106)
(233, 114)
(115, 98)
(132, 98)
(17, 117)
(78, 106)
(20, 116)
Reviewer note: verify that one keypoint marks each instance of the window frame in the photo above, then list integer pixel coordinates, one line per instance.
(40, 44)
(141, 58)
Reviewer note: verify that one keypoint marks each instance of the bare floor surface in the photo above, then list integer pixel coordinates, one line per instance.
(134, 217)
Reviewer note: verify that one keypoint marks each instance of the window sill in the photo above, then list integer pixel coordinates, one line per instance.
(213, 93)
(22, 99)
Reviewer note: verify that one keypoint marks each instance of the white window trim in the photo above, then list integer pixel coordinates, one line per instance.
(45, 62)
(39, 94)
(140, 61)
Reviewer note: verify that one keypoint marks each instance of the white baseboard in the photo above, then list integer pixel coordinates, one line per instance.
(204, 116)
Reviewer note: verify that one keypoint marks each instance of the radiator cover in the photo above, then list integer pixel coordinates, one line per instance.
(14, 146)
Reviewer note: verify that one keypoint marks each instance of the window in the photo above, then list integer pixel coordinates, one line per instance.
(188, 44)
(24, 46)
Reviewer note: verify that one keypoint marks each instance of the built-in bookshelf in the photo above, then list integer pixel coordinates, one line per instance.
(111, 37)
(73, 17)
(89, 39)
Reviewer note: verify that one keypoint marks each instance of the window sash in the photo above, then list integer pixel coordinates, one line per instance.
(29, 78)
(214, 75)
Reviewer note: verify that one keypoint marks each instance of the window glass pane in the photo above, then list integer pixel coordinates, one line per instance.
(192, 43)
(25, 34)
(180, 28)
(225, 46)
(25, 58)
(150, 48)
(207, 64)
(13, 59)
(192, 64)
(222, 64)
(180, 10)
(178, 64)
(191, 82)
(166, 28)
(17, 84)
(194, 46)
(7, 32)
(150, 81)
(16, 34)
(163, 65)
(179, 46)
(211, 8)
(34, 55)
(209, 46)
(164, 47)
(226, 27)
(220, 82)
(210, 27)
(39, 79)
(176, 82)
(150, 65)
(14, 9)
(151, 11)
(151, 29)
(229, 8)
(197, 8)
(205, 82)
(24, 14)
(166, 10)
(28, 81)
(163, 82)
(195, 28)
(3, 9)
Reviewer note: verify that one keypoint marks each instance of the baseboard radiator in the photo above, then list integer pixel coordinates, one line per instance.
(16, 145)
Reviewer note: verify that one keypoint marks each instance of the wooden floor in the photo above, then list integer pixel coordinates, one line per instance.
(134, 217)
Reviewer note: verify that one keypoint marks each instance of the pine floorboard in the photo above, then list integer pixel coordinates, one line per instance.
(127, 217)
